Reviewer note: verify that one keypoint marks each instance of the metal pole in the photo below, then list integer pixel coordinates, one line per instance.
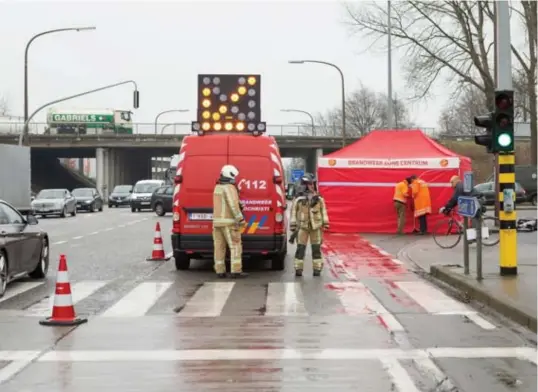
(507, 228)
(343, 91)
(307, 113)
(478, 222)
(71, 97)
(167, 111)
(26, 59)
(465, 246)
(390, 108)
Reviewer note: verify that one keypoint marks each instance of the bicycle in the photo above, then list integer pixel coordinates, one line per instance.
(453, 228)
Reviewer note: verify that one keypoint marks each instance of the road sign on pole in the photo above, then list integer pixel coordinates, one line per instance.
(468, 206)
(296, 175)
(468, 181)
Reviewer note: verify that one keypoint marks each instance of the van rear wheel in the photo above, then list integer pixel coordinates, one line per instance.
(183, 261)
(278, 261)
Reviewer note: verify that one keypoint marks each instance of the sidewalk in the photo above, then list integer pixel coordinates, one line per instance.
(514, 297)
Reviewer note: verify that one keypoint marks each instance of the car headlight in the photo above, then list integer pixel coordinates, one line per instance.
(88, 201)
(133, 197)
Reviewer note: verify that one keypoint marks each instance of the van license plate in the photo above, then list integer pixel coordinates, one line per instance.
(197, 216)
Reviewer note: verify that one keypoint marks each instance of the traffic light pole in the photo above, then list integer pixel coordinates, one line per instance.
(506, 160)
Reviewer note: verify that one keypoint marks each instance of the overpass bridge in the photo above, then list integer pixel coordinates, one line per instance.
(122, 158)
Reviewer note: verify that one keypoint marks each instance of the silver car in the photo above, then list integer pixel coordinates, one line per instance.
(54, 202)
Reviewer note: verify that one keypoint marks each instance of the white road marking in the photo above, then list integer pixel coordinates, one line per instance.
(79, 291)
(139, 300)
(357, 300)
(396, 261)
(94, 233)
(285, 299)
(58, 242)
(19, 288)
(77, 237)
(20, 359)
(169, 255)
(109, 229)
(278, 354)
(208, 301)
(428, 367)
(384, 253)
(401, 379)
(120, 226)
(436, 302)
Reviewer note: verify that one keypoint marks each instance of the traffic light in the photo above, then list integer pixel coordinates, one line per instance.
(503, 128)
(485, 121)
(229, 103)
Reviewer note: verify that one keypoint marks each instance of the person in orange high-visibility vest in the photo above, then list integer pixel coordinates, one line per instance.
(422, 202)
(400, 202)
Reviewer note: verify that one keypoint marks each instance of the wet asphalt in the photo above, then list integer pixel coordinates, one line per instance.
(367, 324)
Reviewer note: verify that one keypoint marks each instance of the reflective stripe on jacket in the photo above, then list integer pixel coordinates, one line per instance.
(226, 208)
(400, 192)
(421, 198)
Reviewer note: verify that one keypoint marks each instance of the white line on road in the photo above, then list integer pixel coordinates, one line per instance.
(109, 229)
(396, 261)
(169, 255)
(285, 299)
(58, 242)
(357, 299)
(79, 291)
(20, 359)
(208, 301)
(121, 226)
(19, 288)
(428, 367)
(77, 237)
(139, 300)
(435, 301)
(94, 233)
(401, 379)
(384, 253)
(278, 354)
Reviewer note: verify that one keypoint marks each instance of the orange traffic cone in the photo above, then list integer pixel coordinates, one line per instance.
(158, 249)
(63, 311)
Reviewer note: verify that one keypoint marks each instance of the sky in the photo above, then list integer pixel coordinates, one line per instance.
(163, 46)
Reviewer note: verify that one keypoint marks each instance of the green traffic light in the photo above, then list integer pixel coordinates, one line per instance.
(504, 140)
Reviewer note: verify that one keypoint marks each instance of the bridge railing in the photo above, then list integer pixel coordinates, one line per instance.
(15, 128)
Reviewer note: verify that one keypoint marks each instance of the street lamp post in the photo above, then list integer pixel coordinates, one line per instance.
(167, 111)
(26, 59)
(343, 91)
(136, 95)
(302, 111)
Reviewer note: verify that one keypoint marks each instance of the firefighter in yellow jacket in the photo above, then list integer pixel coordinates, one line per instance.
(227, 223)
(309, 217)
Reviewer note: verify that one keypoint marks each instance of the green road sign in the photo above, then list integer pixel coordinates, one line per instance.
(82, 118)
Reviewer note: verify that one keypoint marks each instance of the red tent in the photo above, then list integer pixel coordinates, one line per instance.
(358, 181)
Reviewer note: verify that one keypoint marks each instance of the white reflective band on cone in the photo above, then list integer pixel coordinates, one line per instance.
(157, 234)
(158, 247)
(62, 277)
(63, 300)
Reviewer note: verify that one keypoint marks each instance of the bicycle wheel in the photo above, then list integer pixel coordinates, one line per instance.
(492, 225)
(447, 233)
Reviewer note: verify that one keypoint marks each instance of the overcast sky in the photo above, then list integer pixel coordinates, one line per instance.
(163, 46)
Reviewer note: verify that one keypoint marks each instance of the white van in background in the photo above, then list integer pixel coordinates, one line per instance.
(141, 196)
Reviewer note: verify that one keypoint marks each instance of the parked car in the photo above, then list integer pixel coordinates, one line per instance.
(54, 202)
(142, 192)
(162, 199)
(120, 196)
(487, 190)
(526, 176)
(24, 248)
(88, 199)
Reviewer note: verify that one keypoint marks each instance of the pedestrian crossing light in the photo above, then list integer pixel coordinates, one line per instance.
(486, 140)
(503, 128)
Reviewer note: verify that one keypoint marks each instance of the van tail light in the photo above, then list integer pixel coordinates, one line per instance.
(277, 180)
(178, 179)
(176, 223)
(279, 221)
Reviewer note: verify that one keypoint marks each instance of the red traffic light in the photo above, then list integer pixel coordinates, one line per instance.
(503, 102)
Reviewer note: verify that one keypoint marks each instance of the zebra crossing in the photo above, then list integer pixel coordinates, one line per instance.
(146, 298)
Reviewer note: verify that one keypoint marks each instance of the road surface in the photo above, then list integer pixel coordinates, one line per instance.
(368, 324)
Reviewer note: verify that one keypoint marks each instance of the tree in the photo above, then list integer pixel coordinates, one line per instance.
(452, 40)
(4, 107)
(365, 110)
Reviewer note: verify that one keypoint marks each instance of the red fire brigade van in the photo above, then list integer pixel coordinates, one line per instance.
(260, 183)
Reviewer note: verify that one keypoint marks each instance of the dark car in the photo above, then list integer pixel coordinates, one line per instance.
(487, 190)
(88, 199)
(162, 199)
(24, 248)
(120, 196)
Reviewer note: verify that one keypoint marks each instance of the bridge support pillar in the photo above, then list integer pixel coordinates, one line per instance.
(101, 165)
(311, 160)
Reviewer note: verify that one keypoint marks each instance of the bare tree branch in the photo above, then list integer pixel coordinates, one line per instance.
(4, 106)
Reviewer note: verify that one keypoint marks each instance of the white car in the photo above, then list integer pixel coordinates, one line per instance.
(141, 196)
(54, 202)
